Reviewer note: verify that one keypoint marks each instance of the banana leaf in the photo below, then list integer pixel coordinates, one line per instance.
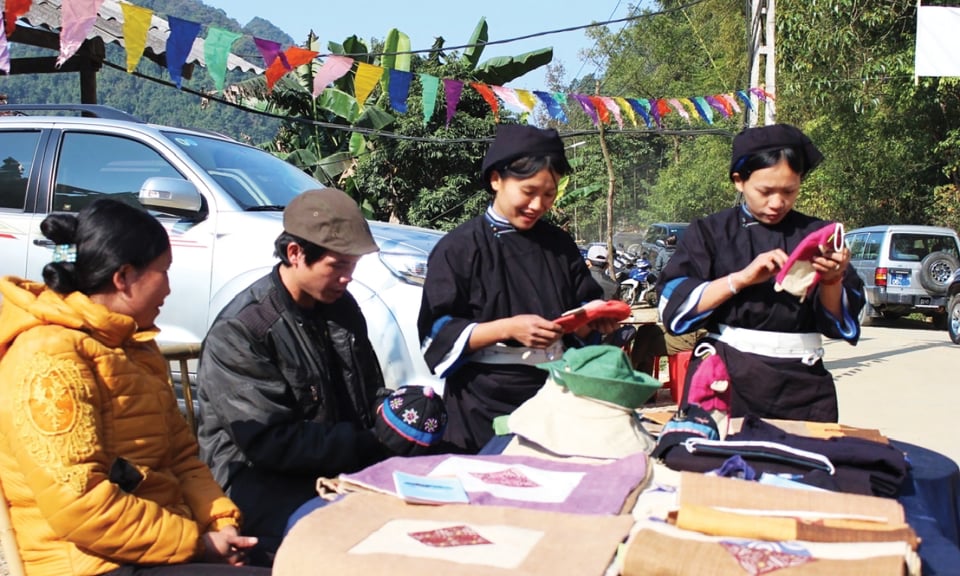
(502, 69)
(477, 42)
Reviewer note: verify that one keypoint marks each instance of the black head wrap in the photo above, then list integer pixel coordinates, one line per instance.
(751, 141)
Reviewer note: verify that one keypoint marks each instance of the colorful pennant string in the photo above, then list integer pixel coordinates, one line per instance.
(12, 10)
(487, 94)
(77, 18)
(216, 50)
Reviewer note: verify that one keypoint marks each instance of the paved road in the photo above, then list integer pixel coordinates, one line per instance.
(903, 379)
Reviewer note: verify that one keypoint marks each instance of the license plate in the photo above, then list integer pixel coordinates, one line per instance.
(899, 279)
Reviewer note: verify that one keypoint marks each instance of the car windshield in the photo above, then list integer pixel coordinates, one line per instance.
(255, 179)
(915, 247)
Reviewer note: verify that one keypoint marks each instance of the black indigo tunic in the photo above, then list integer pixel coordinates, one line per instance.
(485, 270)
(768, 387)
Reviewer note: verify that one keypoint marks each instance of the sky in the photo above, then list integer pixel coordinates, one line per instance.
(423, 20)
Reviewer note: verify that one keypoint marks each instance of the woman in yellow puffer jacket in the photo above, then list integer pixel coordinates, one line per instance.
(99, 468)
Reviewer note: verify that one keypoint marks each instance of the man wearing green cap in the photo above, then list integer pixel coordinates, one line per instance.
(288, 379)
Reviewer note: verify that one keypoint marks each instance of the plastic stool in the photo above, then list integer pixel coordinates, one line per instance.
(678, 364)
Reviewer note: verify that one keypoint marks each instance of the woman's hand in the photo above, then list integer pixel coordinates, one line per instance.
(831, 264)
(227, 546)
(533, 331)
(764, 267)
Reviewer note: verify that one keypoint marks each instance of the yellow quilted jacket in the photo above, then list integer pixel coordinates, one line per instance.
(83, 395)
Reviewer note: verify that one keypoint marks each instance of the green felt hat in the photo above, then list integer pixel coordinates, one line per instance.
(602, 372)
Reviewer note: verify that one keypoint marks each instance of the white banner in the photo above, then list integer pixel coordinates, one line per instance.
(938, 41)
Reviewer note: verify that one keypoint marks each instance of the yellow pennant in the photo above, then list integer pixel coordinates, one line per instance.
(627, 109)
(527, 99)
(136, 24)
(365, 81)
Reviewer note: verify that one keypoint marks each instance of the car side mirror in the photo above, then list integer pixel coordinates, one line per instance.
(661, 243)
(171, 196)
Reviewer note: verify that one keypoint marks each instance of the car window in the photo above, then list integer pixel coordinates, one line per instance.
(92, 166)
(251, 176)
(855, 242)
(654, 233)
(913, 247)
(17, 150)
(871, 245)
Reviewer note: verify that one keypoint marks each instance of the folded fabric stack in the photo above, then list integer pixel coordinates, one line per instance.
(736, 527)
(853, 464)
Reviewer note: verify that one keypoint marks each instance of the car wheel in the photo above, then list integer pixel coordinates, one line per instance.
(953, 319)
(936, 270)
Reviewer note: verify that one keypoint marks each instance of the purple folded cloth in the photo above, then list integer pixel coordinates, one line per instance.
(602, 489)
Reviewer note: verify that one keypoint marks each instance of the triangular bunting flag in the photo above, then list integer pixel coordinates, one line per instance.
(399, 89)
(627, 109)
(588, 107)
(489, 96)
(508, 96)
(602, 113)
(680, 109)
(452, 89)
(12, 10)
(721, 107)
(526, 99)
(333, 69)
(641, 107)
(703, 108)
(742, 95)
(136, 25)
(365, 81)
(554, 109)
(614, 109)
(729, 99)
(179, 43)
(216, 50)
(291, 58)
(77, 20)
(431, 85)
(270, 51)
(4, 53)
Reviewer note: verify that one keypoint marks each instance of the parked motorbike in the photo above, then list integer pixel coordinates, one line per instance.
(637, 283)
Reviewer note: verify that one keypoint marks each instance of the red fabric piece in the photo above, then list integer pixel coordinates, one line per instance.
(711, 369)
(614, 309)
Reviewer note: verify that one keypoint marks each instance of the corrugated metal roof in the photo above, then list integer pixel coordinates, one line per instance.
(109, 27)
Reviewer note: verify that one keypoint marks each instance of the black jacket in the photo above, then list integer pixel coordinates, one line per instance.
(279, 408)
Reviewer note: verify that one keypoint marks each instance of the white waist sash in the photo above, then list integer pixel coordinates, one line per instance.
(807, 346)
(502, 354)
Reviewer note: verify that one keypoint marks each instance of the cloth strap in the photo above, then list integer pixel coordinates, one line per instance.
(502, 354)
(807, 346)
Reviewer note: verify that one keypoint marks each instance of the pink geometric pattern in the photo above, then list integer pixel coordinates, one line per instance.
(510, 477)
(452, 536)
(758, 561)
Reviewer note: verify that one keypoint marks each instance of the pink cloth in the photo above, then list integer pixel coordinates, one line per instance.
(797, 275)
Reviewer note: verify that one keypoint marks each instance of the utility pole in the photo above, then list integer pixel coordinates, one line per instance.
(762, 55)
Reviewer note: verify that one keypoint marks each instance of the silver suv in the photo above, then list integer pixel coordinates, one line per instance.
(905, 269)
(221, 202)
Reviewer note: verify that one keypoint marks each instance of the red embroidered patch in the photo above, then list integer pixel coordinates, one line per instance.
(447, 537)
(758, 561)
(509, 477)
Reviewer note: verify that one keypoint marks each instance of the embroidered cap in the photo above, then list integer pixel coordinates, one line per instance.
(751, 141)
(515, 141)
(330, 219)
(411, 420)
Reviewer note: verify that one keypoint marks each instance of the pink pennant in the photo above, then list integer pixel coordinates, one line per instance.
(680, 109)
(731, 101)
(614, 109)
(4, 53)
(452, 89)
(333, 69)
(77, 20)
(509, 97)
